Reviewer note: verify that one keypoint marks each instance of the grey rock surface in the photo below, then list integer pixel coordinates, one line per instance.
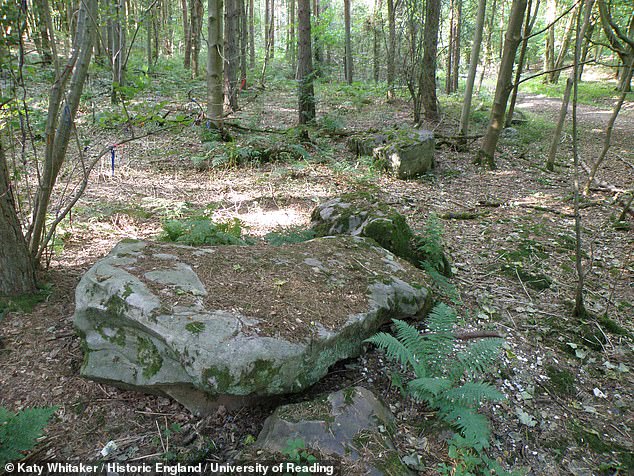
(233, 324)
(351, 424)
(408, 154)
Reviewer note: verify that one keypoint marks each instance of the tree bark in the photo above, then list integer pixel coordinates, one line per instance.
(473, 66)
(391, 49)
(17, 269)
(60, 121)
(231, 58)
(292, 43)
(251, 33)
(528, 26)
(306, 93)
(486, 155)
(215, 75)
(196, 25)
(430, 49)
(563, 51)
(554, 145)
(347, 41)
(549, 46)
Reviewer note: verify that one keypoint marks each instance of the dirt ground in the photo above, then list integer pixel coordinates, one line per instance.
(570, 396)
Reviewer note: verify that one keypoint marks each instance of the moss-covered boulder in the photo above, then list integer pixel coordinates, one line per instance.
(360, 214)
(231, 324)
(407, 153)
(351, 425)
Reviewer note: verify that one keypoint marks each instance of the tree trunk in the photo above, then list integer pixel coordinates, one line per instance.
(60, 122)
(549, 47)
(231, 58)
(196, 19)
(391, 49)
(456, 48)
(563, 51)
(377, 28)
(486, 155)
(608, 133)
(473, 65)
(41, 10)
(528, 26)
(117, 25)
(215, 97)
(272, 30)
(251, 33)
(488, 48)
(187, 36)
(554, 145)
(292, 43)
(244, 42)
(347, 41)
(306, 93)
(317, 47)
(453, 52)
(17, 270)
(430, 49)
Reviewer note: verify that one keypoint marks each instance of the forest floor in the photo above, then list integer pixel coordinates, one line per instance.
(569, 382)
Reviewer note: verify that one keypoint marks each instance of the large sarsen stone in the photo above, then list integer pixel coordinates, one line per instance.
(229, 324)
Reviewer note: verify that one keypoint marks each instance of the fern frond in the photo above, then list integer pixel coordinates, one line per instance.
(472, 393)
(422, 388)
(477, 358)
(410, 337)
(393, 348)
(20, 431)
(441, 319)
(473, 426)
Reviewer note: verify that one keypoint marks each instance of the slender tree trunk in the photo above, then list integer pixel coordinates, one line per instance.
(554, 145)
(348, 41)
(528, 26)
(196, 23)
(62, 109)
(473, 65)
(391, 49)
(292, 43)
(430, 49)
(187, 36)
(608, 133)
(317, 47)
(453, 52)
(41, 10)
(306, 93)
(549, 47)
(244, 42)
(231, 58)
(377, 28)
(272, 31)
(456, 47)
(563, 51)
(17, 269)
(252, 33)
(488, 47)
(486, 155)
(117, 34)
(215, 75)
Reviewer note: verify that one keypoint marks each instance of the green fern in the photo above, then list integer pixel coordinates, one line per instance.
(19, 431)
(447, 377)
(199, 231)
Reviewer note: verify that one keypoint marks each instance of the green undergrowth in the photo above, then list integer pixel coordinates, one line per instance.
(202, 230)
(24, 302)
(19, 431)
(450, 378)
